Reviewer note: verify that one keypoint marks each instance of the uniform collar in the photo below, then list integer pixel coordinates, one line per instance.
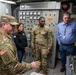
(40, 26)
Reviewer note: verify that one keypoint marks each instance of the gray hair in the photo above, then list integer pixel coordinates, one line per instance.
(66, 13)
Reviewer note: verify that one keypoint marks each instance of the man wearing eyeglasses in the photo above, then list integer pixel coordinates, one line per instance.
(66, 36)
(9, 64)
(41, 43)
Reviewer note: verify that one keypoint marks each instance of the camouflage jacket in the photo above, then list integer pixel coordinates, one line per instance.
(9, 64)
(41, 36)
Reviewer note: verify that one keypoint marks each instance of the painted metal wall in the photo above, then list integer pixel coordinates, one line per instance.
(5, 8)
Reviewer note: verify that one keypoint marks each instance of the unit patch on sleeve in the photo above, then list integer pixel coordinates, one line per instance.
(5, 56)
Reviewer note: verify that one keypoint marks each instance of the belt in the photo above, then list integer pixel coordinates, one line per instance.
(67, 44)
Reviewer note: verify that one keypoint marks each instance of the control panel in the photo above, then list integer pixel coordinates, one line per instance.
(29, 15)
(71, 65)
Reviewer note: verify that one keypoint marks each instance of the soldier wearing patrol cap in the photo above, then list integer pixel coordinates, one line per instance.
(42, 43)
(9, 64)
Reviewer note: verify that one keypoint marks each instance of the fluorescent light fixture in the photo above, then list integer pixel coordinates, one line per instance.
(5, 1)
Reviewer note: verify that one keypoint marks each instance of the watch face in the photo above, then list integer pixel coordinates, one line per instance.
(65, 6)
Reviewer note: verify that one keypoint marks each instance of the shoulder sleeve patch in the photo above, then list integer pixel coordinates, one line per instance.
(2, 52)
(5, 56)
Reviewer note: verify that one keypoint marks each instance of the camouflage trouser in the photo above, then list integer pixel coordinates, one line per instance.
(42, 56)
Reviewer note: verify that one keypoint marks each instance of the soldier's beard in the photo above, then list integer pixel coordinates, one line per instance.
(41, 25)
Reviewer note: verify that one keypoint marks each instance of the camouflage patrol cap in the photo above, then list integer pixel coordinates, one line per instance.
(9, 19)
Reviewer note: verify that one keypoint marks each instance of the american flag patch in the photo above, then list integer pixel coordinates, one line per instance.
(2, 52)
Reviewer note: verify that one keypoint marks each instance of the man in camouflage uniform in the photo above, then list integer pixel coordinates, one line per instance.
(42, 43)
(9, 64)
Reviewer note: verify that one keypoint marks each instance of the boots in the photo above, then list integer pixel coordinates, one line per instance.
(38, 70)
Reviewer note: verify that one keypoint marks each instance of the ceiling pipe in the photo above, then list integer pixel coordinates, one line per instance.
(6, 1)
